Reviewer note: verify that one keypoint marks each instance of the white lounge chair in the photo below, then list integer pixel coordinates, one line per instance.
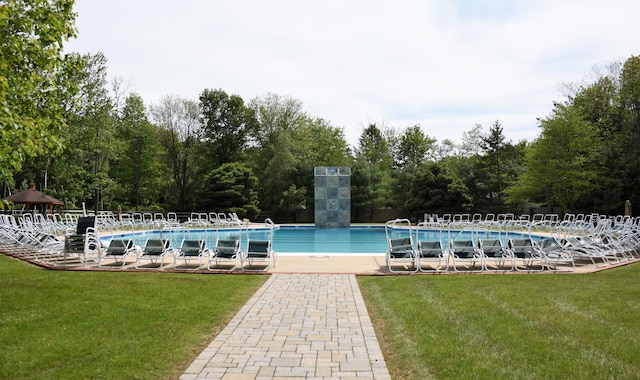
(226, 251)
(492, 251)
(259, 252)
(153, 254)
(118, 250)
(432, 252)
(463, 251)
(191, 250)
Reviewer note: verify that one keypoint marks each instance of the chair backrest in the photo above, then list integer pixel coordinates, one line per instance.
(85, 222)
(119, 246)
(521, 242)
(547, 243)
(462, 243)
(521, 248)
(490, 243)
(401, 244)
(156, 246)
(192, 247)
(227, 247)
(463, 248)
(491, 247)
(432, 244)
(430, 248)
(259, 246)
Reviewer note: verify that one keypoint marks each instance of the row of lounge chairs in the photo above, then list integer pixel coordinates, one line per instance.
(520, 254)
(83, 244)
(259, 255)
(605, 244)
(59, 224)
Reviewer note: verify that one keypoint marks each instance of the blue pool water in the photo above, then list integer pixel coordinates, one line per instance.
(308, 240)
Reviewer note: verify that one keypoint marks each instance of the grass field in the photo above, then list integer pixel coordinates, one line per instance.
(508, 326)
(91, 325)
(71, 325)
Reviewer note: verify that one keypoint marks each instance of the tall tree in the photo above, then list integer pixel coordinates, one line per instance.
(83, 169)
(180, 134)
(472, 142)
(34, 80)
(375, 149)
(371, 177)
(560, 169)
(630, 133)
(599, 104)
(274, 113)
(272, 152)
(493, 145)
(227, 123)
(136, 169)
(414, 147)
(280, 171)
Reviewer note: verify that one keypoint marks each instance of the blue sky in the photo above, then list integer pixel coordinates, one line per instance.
(445, 65)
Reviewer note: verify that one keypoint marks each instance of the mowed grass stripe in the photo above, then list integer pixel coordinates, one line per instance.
(513, 326)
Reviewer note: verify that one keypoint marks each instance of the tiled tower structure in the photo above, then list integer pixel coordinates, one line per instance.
(332, 196)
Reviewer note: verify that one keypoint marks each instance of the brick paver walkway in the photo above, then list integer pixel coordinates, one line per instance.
(304, 326)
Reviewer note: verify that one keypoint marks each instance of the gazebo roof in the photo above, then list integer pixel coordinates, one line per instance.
(31, 196)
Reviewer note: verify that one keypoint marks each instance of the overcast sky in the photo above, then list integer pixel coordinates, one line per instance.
(446, 65)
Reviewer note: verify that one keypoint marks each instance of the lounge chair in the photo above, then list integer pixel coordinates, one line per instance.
(153, 252)
(432, 252)
(118, 250)
(191, 250)
(463, 251)
(524, 255)
(492, 251)
(84, 223)
(554, 255)
(401, 251)
(613, 247)
(85, 247)
(587, 249)
(36, 245)
(225, 251)
(259, 251)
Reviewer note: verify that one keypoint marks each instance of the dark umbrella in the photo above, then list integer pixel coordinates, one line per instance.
(31, 197)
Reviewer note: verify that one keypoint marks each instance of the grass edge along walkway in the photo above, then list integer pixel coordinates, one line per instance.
(578, 326)
(70, 325)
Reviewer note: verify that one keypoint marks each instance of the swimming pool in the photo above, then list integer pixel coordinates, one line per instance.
(308, 240)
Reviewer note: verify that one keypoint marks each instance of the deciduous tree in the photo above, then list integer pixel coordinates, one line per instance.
(179, 136)
(34, 80)
(227, 123)
(136, 168)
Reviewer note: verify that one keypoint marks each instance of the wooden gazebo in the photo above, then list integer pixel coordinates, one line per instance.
(32, 197)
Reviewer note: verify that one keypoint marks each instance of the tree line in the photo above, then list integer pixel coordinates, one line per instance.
(86, 139)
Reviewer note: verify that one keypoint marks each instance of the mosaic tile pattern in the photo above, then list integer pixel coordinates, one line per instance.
(332, 196)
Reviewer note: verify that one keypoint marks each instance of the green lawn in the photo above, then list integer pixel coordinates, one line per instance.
(91, 325)
(70, 325)
(508, 326)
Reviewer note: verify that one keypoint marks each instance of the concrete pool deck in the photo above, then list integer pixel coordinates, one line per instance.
(297, 264)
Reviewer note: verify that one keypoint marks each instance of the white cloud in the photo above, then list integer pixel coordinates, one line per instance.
(443, 65)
